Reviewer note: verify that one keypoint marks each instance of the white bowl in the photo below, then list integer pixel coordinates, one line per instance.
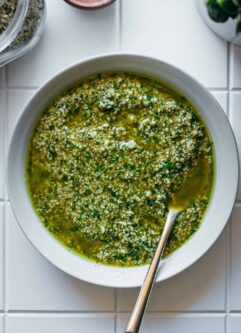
(225, 187)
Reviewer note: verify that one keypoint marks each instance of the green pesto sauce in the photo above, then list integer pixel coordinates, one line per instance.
(105, 161)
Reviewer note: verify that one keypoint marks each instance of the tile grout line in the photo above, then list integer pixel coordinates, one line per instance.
(235, 312)
(235, 89)
(5, 140)
(4, 324)
(227, 282)
(4, 77)
(7, 76)
(61, 312)
(115, 309)
(115, 300)
(229, 241)
(4, 259)
(6, 134)
(228, 78)
(218, 89)
(86, 312)
(115, 323)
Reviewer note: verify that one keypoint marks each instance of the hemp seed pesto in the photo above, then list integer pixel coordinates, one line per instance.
(105, 160)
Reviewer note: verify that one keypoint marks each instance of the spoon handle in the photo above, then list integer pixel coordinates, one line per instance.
(141, 303)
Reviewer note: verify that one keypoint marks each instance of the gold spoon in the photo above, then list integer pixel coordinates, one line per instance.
(192, 186)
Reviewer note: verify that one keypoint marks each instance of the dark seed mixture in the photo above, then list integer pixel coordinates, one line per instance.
(7, 10)
(31, 23)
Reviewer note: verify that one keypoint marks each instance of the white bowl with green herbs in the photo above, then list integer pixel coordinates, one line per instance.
(96, 157)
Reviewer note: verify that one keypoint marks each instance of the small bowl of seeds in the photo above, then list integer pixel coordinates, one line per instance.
(21, 26)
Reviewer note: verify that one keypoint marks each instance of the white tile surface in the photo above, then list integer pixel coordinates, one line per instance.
(3, 113)
(17, 99)
(194, 289)
(235, 78)
(35, 284)
(1, 256)
(70, 35)
(177, 323)
(222, 98)
(234, 323)
(235, 273)
(59, 323)
(174, 32)
(235, 118)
